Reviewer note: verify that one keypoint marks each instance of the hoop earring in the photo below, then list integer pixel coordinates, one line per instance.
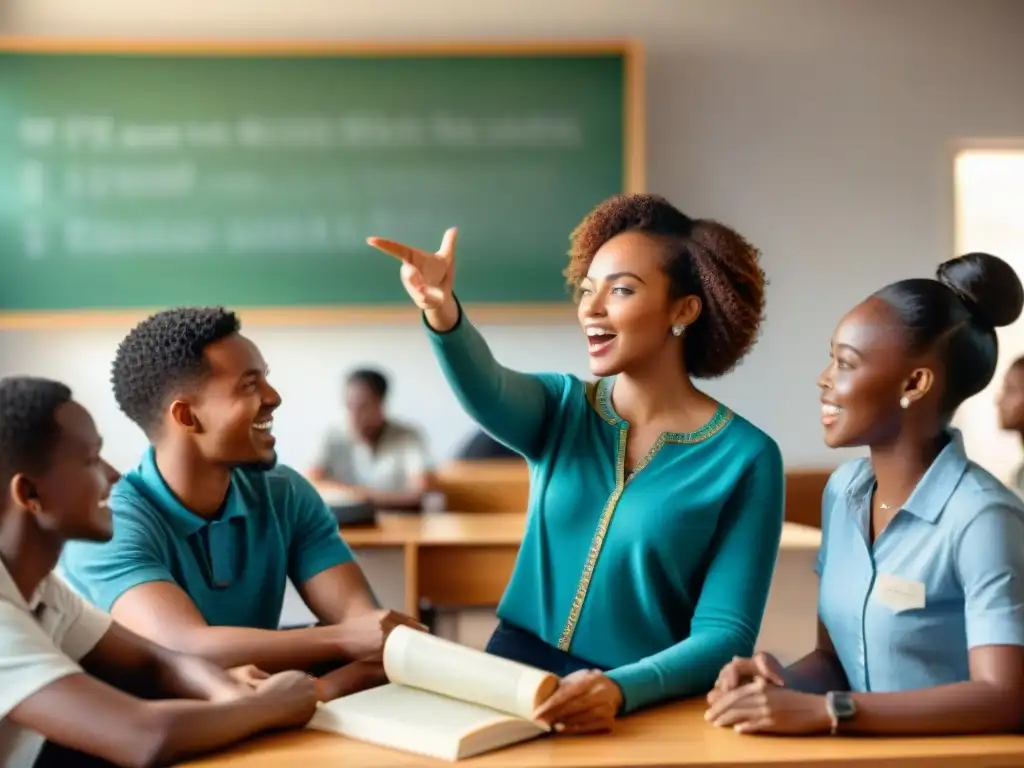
(904, 402)
(677, 330)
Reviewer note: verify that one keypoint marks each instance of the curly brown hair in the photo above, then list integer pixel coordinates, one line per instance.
(702, 258)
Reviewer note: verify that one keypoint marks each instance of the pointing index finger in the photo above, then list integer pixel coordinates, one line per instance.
(400, 251)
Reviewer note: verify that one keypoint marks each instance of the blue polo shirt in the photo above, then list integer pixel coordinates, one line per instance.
(945, 576)
(274, 527)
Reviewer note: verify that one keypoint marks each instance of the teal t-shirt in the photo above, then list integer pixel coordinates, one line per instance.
(659, 574)
(274, 527)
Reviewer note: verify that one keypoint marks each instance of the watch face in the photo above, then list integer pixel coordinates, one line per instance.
(844, 706)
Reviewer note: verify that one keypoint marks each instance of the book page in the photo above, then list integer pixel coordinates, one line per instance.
(432, 663)
(419, 721)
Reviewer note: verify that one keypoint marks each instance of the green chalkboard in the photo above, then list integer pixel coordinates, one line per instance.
(140, 177)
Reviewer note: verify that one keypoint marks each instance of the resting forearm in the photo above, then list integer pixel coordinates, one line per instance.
(179, 729)
(685, 669)
(972, 707)
(817, 672)
(270, 650)
(357, 676)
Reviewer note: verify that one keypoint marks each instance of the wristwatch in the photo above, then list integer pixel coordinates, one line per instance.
(840, 706)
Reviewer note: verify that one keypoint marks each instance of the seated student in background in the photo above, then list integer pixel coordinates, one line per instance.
(376, 458)
(1011, 413)
(655, 511)
(921, 605)
(208, 527)
(68, 674)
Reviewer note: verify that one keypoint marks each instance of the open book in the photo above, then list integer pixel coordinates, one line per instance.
(444, 700)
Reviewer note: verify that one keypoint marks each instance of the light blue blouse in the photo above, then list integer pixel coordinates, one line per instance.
(946, 575)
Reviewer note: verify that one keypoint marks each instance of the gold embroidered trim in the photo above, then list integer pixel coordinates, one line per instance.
(598, 398)
(715, 425)
(595, 545)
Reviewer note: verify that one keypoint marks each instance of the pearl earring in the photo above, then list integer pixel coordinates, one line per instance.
(904, 402)
(677, 330)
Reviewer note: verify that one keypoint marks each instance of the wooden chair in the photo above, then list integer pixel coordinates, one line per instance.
(499, 485)
(804, 487)
(504, 486)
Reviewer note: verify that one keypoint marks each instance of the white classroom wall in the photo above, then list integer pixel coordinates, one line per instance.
(823, 130)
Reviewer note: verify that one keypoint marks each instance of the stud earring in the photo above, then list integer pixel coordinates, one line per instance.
(677, 330)
(904, 402)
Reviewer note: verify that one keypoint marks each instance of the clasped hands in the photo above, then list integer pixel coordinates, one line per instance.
(750, 697)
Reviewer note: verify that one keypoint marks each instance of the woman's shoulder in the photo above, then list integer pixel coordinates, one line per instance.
(978, 492)
(569, 390)
(743, 434)
(849, 474)
(847, 481)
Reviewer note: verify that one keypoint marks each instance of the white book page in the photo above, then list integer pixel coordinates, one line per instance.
(410, 708)
(419, 721)
(432, 663)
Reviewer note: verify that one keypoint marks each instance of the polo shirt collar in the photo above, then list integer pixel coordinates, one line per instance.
(9, 591)
(933, 490)
(184, 520)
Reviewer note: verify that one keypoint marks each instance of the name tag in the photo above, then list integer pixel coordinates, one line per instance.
(898, 593)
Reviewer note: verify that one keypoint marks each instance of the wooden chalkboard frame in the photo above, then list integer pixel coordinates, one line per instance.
(634, 162)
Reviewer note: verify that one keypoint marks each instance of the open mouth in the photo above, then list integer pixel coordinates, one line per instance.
(264, 428)
(599, 340)
(830, 414)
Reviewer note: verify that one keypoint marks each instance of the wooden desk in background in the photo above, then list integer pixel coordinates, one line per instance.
(465, 559)
(451, 559)
(674, 735)
(503, 485)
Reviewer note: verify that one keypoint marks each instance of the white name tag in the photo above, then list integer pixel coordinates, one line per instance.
(898, 593)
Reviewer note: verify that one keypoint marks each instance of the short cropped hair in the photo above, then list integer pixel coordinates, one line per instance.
(163, 355)
(372, 379)
(29, 431)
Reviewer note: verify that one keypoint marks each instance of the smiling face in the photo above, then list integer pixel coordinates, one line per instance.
(625, 306)
(231, 411)
(870, 371)
(72, 493)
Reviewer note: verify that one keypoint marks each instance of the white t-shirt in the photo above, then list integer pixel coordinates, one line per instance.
(40, 641)
(399, 456)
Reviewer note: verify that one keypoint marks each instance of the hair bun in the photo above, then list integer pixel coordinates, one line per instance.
(987, 286)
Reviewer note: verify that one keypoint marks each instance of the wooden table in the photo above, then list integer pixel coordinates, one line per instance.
(464, 560)
(674, 735)
(451, 559)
